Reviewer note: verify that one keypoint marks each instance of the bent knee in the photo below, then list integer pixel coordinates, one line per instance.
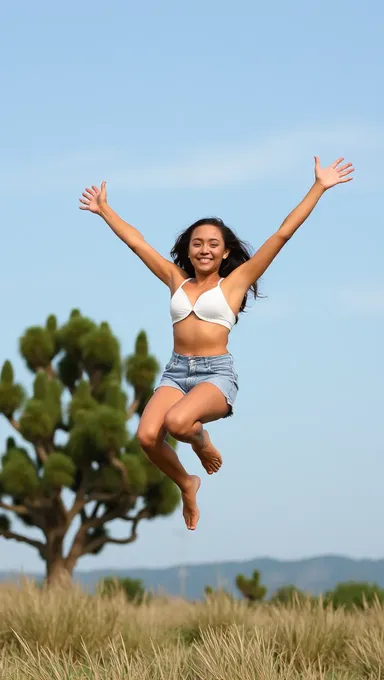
(176, 424)
(149, 437)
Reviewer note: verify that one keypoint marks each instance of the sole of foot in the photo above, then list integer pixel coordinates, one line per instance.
(210, 458)
(191, 512)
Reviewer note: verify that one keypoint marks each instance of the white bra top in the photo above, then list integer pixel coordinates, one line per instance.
(210, 306)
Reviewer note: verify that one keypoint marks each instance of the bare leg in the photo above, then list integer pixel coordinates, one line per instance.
(203, 404)
(151, 434)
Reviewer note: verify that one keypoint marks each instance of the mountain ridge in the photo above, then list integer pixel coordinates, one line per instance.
(315, 574)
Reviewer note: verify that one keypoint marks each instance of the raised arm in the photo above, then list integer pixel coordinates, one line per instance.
(325, 178)
(95, 200)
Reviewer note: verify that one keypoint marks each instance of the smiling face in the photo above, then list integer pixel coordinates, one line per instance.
(207, 249)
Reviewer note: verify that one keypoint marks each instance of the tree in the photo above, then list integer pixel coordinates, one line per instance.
(288, 595)
(251, 588)
(132, 588)
(72, 461)
(353, 594)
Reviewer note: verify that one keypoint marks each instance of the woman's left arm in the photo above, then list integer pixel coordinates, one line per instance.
(325, 178)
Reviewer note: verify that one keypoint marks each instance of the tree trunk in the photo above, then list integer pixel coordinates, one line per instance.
(57, 572)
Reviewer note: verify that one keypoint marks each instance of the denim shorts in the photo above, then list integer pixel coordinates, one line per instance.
(184, 373)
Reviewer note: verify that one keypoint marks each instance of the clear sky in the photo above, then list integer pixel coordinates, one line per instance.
(213, 108)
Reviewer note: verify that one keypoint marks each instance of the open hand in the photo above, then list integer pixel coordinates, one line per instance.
(335, 174)
(94, 198)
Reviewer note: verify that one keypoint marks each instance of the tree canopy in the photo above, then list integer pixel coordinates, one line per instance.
(72, 459)
(251, 588)
(354, 594)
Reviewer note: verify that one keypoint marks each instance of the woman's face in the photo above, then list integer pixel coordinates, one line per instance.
(207, 249)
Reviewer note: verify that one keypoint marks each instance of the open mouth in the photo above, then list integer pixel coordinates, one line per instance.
(205, 260)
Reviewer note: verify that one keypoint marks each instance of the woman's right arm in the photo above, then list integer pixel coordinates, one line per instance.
(95, 200)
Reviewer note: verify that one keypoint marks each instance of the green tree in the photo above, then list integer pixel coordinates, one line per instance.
(353, 594)
(132, 588)
(287, 595)
(73, 464)
(251, 588)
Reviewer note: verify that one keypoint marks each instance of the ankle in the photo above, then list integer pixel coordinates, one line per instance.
(186, 484)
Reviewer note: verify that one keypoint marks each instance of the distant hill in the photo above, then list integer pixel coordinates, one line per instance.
(314, 575)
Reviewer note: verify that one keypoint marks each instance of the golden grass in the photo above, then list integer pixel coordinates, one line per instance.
(71, 635)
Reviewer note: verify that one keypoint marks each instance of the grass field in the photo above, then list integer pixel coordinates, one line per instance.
(68, 635)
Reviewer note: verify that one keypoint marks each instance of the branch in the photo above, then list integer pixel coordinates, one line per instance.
(79, 502)
(14, 423)
(99, 521)
(103, 497)
(119, 466)
(82, 498)
(95, 510)
(132, 409)
(17, 509)
(41, 453)
(115, 513)
(102, 540)
(50, 371)
(10, 535)
(122, 541)
(79, 548)
(57, 499)
(31, 509)
(78, 505)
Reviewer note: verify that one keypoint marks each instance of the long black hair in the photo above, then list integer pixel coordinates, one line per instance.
(239, 252)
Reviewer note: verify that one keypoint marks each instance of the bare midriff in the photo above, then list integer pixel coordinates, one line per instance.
(195, 337)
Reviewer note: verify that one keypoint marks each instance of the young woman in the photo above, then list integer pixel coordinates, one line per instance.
(209, 279)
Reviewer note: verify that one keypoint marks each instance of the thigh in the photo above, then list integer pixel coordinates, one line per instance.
(160, 403)
(204, 403)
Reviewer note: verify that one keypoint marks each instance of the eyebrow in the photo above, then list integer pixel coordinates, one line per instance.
(196, 238)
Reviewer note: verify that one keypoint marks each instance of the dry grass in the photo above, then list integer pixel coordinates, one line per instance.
(70, 635)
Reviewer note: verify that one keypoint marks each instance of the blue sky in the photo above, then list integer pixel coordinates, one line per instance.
(213, 108)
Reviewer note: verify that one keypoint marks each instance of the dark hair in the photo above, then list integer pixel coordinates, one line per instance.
(239, 252)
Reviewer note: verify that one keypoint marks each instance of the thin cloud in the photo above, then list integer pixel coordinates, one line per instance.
(268, 159)
(365, 300)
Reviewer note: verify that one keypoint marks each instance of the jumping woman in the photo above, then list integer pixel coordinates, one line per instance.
(210, 277)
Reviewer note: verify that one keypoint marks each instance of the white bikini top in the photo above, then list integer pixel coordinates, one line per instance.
(210, 306)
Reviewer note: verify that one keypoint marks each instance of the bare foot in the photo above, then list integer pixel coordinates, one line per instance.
(190, 510)
(210, 457)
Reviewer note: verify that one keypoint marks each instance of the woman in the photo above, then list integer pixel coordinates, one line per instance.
(209, 279)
